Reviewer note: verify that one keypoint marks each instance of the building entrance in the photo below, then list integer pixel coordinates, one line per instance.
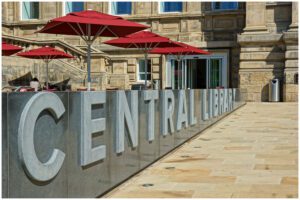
(197, 72)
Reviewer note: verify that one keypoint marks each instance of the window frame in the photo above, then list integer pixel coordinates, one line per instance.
(138, 70)
(21, 10)
(231, 9)
(173, 12)
(111, 11)
(64, 3)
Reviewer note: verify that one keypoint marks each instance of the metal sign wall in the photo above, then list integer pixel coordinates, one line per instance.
(81, 144)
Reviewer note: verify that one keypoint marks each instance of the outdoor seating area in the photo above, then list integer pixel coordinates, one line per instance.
(89, 25)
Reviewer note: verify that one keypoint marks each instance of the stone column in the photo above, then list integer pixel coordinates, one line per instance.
(261, 54)
(255, 17)
(290, 37)
(5, 11)
(294, 24)
(16, 13)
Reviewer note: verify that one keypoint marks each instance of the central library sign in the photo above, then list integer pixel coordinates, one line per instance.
(81, 144)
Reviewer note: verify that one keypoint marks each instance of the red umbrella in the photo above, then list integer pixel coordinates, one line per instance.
(180, 51)
(47, 54)
(89, 25)
(9, 49)
(144, 40)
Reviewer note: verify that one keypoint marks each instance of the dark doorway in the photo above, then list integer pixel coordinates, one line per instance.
(196, 73)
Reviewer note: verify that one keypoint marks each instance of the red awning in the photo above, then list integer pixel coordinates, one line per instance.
(101, 24)
(9, 49)
(184, 49)
(45, 53)
(142, 40)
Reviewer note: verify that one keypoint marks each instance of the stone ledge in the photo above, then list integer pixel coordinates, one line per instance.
(270, 4)
(260, 65)
(262, 56)
(259, 38)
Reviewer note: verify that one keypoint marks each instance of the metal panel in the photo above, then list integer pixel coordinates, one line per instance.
(65, 134)
(215, 109)
(200, 125)
(148, 150)
(5, 166)
(93, 179)
(238, 99)
(180, 136)
(49, 134)
(124, 164)
(166, 142)
(205, 123)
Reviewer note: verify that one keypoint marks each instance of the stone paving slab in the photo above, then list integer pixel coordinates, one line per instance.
(251, 153)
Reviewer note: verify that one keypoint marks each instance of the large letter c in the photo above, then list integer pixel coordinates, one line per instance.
(33, 167)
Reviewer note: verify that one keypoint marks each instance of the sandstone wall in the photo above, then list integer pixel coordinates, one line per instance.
(268, 50)
(261, 38)
(197, 25)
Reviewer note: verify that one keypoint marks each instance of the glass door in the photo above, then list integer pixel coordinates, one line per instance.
(215, 73)
(198, 73)
(178, 71)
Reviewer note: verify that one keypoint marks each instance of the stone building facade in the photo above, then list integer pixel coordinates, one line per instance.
(269, 49)
(250, 43)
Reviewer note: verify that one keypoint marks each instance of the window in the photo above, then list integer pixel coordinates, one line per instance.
(225, 5)
(142, 70)
(30, 10)
(215, 74)
(73, 7)
(170, 7)
(121, 8)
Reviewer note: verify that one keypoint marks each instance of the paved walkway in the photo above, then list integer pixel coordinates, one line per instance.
(251, 153)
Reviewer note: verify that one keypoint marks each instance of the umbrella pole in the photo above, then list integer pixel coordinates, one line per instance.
(181, 74)
(89, 65)
(47, 86)
(146, 68)
(179, 85)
